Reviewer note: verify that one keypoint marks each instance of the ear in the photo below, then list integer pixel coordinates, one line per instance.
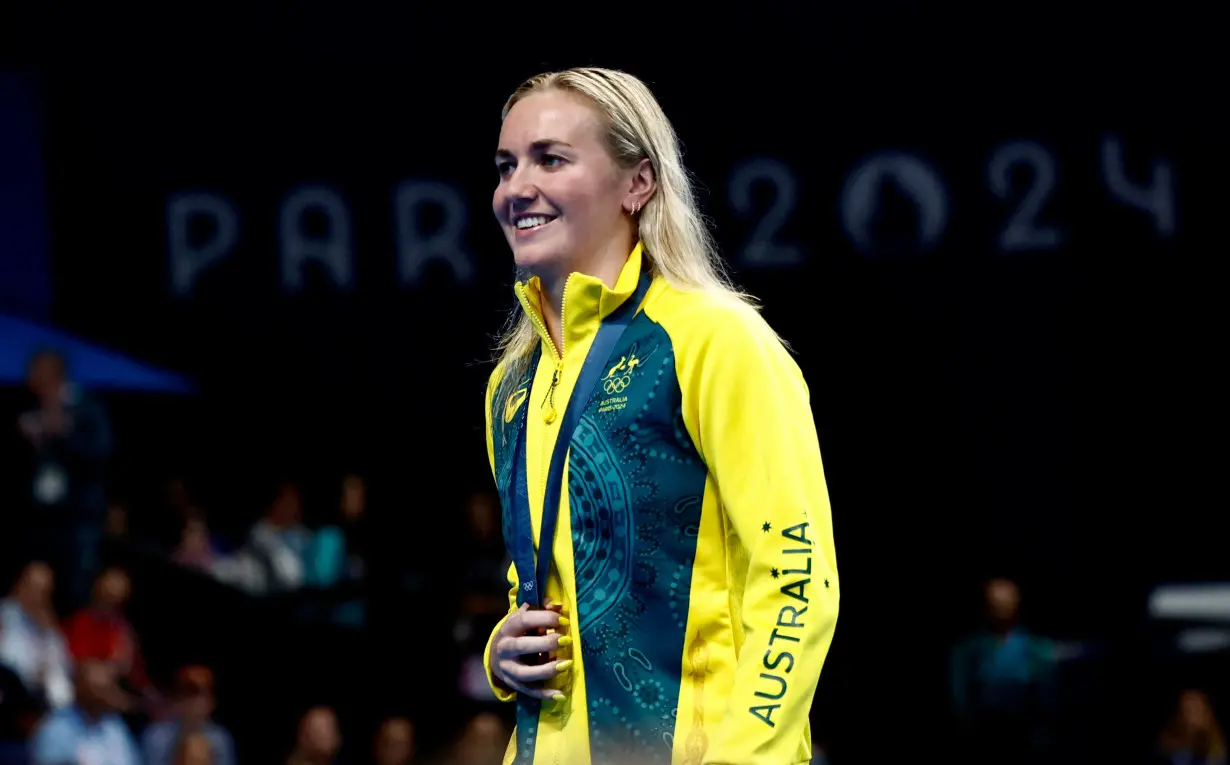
(642, 185)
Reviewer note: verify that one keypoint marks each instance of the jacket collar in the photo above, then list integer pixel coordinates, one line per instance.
(586, 302)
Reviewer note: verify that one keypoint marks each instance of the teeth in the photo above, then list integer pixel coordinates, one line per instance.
(533, 221)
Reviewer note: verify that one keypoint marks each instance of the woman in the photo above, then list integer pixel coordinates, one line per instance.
(1193, 736)
(689, 579)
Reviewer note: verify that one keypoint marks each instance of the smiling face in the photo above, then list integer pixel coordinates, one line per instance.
(562, 201)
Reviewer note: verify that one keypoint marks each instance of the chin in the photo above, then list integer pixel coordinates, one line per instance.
(536, 259)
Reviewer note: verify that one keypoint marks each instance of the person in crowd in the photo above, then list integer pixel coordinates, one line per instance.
(1193, 736)
(394, 742)
(194, 702)
(319, 738)
(68, 435)
(31, 643)
(91, 730)
(280, 541)
(101, 631)
(1002, 682)
(482, 742)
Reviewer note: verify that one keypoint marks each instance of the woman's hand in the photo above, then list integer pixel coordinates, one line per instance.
(524, 638)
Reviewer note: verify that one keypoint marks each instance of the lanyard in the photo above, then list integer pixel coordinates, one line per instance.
(533, 577)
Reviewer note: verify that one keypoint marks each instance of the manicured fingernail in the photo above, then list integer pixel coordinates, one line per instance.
(560, 699)
(565, 641)
(564, 666)
(563, 621)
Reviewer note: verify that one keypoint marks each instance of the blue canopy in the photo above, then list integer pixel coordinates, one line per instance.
(89, 365)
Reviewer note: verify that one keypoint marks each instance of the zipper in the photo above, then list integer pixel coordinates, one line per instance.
(548, 401)
(551, 413)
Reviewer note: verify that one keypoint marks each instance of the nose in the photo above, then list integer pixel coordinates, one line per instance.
(520, 204)
(519, 192)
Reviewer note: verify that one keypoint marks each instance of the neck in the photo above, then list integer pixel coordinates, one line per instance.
(606, 265)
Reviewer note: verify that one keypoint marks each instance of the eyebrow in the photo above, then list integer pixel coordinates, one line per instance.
(540, 145)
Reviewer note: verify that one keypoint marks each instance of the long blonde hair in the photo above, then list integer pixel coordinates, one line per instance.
(676, 242)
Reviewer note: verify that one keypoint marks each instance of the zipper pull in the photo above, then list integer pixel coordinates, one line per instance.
(550, 415)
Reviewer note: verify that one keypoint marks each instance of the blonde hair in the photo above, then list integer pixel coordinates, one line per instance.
(676, 242)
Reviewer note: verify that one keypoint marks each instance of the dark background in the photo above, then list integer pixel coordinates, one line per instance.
(1050, 411)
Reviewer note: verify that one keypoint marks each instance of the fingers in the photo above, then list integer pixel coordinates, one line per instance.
(538, 693)
(513, 624)
(526, 620)
(513, 647)
(514, 672)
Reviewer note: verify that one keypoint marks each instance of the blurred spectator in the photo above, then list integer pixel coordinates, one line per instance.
(1001, 680)
(337, 556)
(483, 742)
(171, 514)
(90, 731)
(197, 548)
(31, 644)
(194, 708)
(318, 741)
(1193, 736)
(101, 632)
(194, 749)
(274, 559)
(394, 742)
(69, 436)
(337, 552)
(279, 541)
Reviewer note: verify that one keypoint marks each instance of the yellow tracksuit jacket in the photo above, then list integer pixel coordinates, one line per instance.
(694, 549)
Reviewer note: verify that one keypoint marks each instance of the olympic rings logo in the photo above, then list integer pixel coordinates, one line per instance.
(613, 385)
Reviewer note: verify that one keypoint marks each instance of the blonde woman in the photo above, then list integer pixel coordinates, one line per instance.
(674, 585)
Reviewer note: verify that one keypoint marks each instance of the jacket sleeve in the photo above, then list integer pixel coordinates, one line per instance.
(755, 431)
(501, 693)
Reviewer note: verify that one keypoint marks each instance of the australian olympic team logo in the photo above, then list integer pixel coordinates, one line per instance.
(619, 377)
(613, 385)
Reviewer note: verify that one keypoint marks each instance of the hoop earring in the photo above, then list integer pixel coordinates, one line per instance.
(636, 208)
